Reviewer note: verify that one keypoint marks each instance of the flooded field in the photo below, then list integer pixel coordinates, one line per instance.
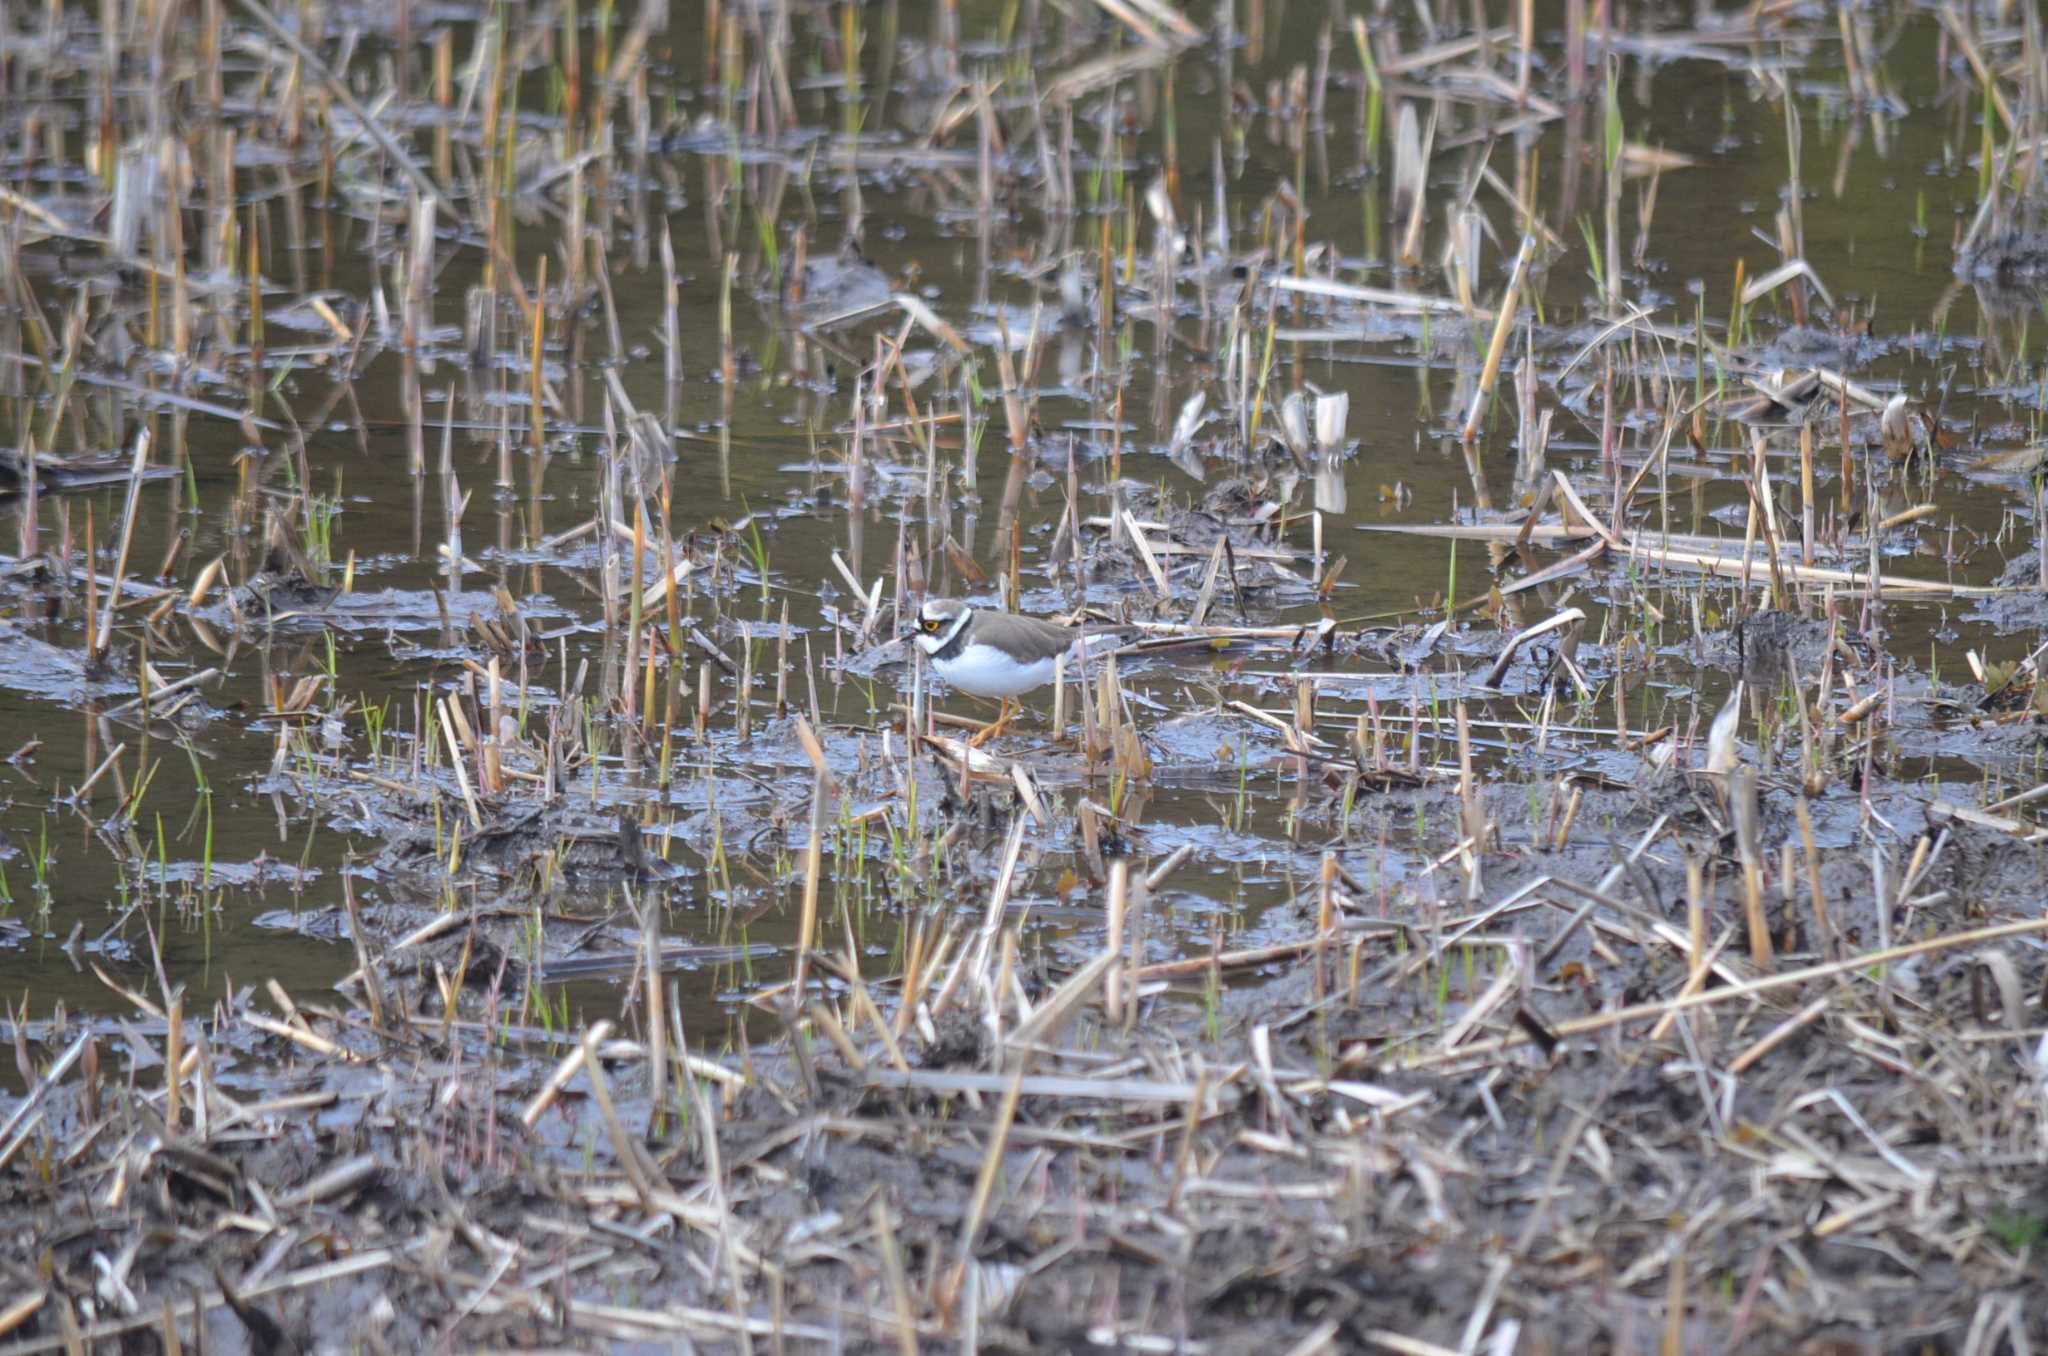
(1536, 849)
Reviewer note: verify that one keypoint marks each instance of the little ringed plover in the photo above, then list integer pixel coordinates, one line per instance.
(993, 654)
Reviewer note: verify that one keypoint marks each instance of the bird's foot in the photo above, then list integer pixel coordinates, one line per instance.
(990, 731)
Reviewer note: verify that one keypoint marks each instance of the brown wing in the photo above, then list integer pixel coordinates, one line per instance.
(1032, 638)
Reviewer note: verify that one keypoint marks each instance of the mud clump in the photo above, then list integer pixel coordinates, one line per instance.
(1766, 648)
(2015, 258)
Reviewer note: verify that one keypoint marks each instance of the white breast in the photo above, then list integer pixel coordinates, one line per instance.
(987, 671)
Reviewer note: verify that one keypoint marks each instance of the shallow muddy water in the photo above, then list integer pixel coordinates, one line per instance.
(257, 811)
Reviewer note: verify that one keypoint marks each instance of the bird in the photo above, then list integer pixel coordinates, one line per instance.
(993, 654)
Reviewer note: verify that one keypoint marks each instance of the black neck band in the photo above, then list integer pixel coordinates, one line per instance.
(952, 648)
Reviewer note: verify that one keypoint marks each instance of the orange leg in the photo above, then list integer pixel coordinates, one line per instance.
(1002, 721)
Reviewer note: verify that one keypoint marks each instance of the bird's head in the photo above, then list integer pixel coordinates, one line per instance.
(938, 621)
